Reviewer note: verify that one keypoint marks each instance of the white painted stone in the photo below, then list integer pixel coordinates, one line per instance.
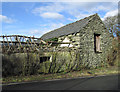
(66, 45)
(51, 59)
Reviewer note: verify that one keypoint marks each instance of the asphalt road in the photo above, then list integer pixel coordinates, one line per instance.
(90, 83)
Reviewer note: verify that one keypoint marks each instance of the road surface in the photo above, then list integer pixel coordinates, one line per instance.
(109, 82)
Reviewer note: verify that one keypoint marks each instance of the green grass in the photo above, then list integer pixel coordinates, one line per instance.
(92, 72)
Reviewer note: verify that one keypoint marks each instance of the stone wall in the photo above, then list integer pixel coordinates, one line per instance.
(74, 39)
(85, 43)
(30, 63)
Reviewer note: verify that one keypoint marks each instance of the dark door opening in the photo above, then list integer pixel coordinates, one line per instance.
(44, 59)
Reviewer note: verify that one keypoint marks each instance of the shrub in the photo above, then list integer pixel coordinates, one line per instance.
(112, 58)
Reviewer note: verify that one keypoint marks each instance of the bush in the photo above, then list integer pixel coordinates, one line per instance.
(112, 58)
(19, 64)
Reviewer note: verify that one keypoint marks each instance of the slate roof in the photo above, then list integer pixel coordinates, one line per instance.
(69, 28)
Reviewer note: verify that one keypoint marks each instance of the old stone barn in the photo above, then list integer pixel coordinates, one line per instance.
(88, 37)
(83, 44)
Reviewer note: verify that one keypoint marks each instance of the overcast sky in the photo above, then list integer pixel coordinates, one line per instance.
(29, 18)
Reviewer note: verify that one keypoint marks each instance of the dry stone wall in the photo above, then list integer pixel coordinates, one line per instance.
(84, 41)
(74, 39)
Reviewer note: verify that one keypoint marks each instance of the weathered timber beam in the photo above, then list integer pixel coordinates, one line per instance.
(17, 42)
(60, 42)
(19, 36)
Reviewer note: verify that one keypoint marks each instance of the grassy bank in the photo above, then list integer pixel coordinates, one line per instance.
(74, 74)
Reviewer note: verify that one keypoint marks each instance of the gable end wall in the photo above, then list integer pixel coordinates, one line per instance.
(84, 42)
(87, 44)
